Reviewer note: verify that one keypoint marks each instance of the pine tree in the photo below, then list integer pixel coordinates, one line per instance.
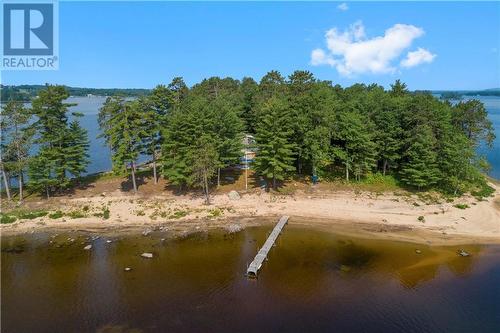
(420, 164)
(275, 156)
(354, 147)
(17, 140)
(55, 140)
(77, 150)
(122, 125)
(203, 158)
(154, 109)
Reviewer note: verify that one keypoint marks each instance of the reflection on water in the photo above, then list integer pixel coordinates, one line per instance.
(314, 281)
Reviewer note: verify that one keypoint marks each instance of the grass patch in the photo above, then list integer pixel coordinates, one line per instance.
(56, 215)
(216, 212)
(461, 206)
(6, 219)
(484, 191)
(32, 215)
(178, 214)
(76, 214)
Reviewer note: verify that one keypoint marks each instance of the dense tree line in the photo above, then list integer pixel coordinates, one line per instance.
(45, 142)
(302, 126)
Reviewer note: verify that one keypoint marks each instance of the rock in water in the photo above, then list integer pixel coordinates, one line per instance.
(417, 251)
(88, 247)
(128, 269)
(462, 253)
(234, 228)
(147, 232)
(147, 255)
(233, 195)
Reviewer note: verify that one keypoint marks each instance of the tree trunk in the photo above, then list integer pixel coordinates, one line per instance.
(21, 181)
(6, 182)
(154, 169)
(47, 192)
(347, 170)
(205, 181)
(274, 182)
(385, 166)
(218, 177)
(132, 165)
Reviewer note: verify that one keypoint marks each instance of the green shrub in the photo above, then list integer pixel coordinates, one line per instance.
(76, 214)
(6, 219)
(461, 206)
(56, 215)
(105, 213)
(216, 212)
(421, 219)
(32, 215)
(178, 214)
(483, 192)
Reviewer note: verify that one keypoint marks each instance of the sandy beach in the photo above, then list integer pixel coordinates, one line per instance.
(388, 215)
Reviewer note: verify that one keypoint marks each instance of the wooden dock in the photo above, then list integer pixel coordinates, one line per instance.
(256, 264)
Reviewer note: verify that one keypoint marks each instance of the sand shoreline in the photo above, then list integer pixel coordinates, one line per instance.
(384, 216)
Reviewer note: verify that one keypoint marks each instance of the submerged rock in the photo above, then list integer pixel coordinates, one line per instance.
(147, 255)
(128, 269)
(88, 247)
(234, 228)
(417, 251)
(233, 195)
(463, 253)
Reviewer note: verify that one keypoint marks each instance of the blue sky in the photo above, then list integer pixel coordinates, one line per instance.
(431, 45)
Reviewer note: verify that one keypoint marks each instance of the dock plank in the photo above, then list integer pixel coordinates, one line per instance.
(256, 264)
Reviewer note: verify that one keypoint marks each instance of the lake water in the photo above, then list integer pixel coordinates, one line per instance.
(101, 160)
(314, 281)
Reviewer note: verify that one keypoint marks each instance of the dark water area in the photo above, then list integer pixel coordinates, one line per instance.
(314, 281)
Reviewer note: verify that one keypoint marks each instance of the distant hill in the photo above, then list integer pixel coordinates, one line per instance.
(26, 92)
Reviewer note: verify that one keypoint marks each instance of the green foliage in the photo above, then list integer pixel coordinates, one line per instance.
(461, 206)
(76, 214)
(62, 147)
(56, 215)
(6, 219)
(31, 215)
(275, 151)
(421, 219)
(179, 214)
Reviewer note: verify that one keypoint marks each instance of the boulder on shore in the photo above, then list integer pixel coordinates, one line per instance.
(233, 195)
(234, 228)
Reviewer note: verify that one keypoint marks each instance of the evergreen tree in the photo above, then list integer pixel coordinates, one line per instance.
(354, 145)
(420, 163)
(472, 119)
(275, 155)
(203, 164)
(122, 124)
(55, 140)
(77, 151)
(16, 142)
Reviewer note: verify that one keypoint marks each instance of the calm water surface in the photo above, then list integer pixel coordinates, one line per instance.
(314, 281)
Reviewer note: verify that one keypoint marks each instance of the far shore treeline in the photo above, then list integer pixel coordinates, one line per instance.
(302, 126)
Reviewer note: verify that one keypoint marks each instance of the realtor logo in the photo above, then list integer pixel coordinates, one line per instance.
(29, 38)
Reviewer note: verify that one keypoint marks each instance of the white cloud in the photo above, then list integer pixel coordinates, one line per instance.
(417, 57)
(350, 52)
(343, 7)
